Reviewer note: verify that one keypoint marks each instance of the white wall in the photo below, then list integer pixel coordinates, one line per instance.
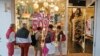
(97, 30)
(5, 20)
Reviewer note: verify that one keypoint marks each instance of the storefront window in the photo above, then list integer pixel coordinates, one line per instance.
(49, 11)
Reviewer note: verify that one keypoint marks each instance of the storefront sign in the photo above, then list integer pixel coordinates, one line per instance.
(40, 23)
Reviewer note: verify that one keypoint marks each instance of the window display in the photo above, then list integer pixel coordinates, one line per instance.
(42, 13)
(44, 10)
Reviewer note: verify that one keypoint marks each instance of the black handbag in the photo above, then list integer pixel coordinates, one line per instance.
(34, 41)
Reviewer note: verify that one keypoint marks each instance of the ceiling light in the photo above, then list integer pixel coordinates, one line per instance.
(56, 8)
(27, 1)
(33, 0)
(45, 4)
(42, 9)
(23, 3)
(50, 0)
(51, 5)
(36, 5)
(40, 0)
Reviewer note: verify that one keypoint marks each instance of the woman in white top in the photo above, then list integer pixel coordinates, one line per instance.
(10, 35)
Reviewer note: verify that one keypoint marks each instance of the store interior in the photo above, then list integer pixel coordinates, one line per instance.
(78, 14)
(28, 10)
(81, 27)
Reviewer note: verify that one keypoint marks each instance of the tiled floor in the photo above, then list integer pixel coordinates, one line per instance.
(79, 54)
(73, 50)
(77, 50)
(18, 52)
(31, 51)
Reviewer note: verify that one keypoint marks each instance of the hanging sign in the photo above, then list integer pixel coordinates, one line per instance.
(40, 23)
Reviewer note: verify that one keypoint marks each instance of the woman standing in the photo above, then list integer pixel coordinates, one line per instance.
(38, 37)
(60, 35)
(48, 41)
(10, 35)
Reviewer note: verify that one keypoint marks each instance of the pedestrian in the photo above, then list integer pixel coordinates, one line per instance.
(60, 39)
(36, 41)
(48, 41)
(10, 35)
(23, 39)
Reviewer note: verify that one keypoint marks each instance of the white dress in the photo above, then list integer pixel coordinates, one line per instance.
(51, 48)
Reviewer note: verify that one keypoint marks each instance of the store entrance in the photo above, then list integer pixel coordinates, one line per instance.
(81, 29)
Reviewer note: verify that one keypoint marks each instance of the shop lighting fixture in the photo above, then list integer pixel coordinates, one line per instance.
(33, 0)
(42, 9)
(56, 8)
(51, 5)
(36, 5)
(23, 3)
(45, 4)
(50, 0)
(27, 1)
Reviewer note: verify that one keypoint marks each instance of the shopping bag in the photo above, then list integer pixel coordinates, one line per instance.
(45, 50)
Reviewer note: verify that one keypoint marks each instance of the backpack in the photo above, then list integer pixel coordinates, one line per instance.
(33, 38)
(63, 37)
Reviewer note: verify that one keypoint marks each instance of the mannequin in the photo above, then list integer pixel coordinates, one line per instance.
(78, 26)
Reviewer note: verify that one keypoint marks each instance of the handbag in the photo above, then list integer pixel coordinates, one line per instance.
(45, 49)
(34, 41)
(63, 37)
